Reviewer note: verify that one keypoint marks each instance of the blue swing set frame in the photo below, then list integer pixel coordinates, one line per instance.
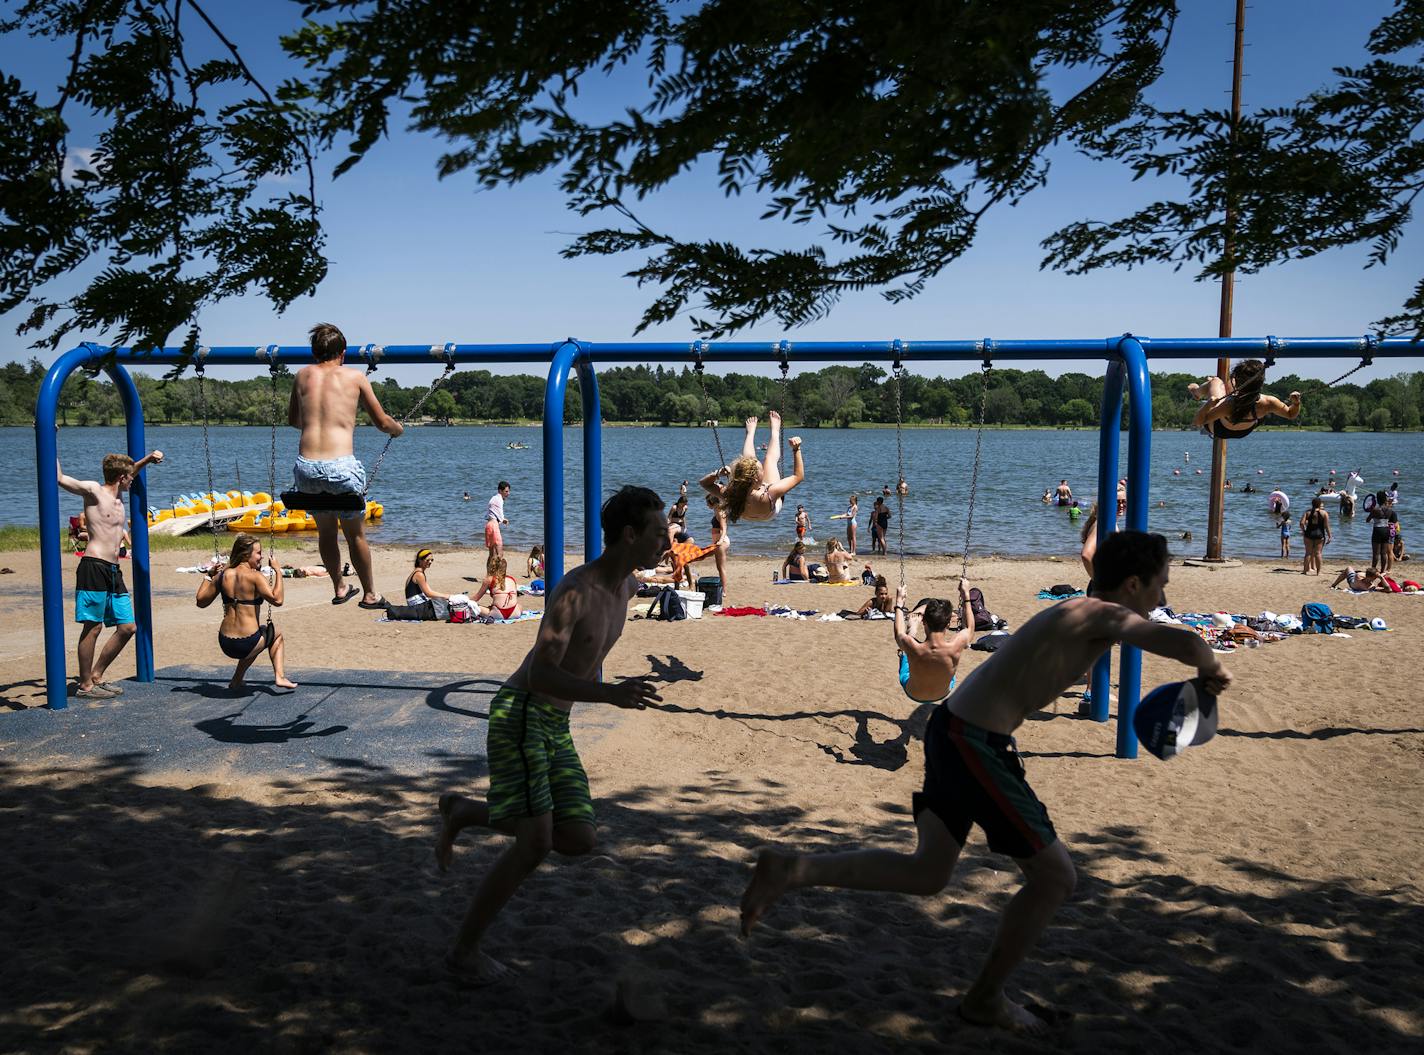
(1127, 371)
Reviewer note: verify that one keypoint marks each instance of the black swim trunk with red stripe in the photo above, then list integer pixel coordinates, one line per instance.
(973, 776)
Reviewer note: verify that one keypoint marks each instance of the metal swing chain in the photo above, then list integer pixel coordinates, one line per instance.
(1363, 363)
(207, 455)
(449, 369)
(706, 410)
(974, 477)
(272, 470)
(785, 384)
(895, 372)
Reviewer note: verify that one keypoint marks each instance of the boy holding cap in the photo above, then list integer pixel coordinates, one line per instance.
(973, 774)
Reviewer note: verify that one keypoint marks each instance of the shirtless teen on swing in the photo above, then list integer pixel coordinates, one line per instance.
(325, 397)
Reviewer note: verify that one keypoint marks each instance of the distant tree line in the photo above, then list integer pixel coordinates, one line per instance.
(833, 397)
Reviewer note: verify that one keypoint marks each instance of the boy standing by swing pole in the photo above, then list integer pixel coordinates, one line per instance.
(324, 399)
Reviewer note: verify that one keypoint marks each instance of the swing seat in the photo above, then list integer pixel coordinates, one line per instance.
(348, 501)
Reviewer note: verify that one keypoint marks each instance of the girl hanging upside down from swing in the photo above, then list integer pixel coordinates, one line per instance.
(754, 490)
(1233, 408)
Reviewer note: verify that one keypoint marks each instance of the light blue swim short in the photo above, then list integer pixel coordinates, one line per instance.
(334, 476)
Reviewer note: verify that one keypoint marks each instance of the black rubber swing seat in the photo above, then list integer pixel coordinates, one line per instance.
(323, 503)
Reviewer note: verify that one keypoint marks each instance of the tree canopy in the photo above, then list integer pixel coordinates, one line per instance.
(834, 397)
(882, 134)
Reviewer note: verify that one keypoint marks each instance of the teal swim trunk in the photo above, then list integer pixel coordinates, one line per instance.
(534, 768)
(100, 595)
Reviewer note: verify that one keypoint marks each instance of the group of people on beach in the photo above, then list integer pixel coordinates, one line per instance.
(538, 792)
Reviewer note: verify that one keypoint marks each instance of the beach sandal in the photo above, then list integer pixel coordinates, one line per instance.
(351, 591)
(95, 692)
(380, 604)
(109, 686)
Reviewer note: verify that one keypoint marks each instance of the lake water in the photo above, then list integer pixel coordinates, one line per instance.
(426, 471)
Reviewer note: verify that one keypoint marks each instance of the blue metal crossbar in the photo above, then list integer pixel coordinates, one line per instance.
(1126, 356)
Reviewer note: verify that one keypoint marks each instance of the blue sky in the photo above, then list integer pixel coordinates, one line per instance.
(418, 260)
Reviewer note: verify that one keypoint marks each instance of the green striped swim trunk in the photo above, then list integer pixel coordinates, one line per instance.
(534, 768)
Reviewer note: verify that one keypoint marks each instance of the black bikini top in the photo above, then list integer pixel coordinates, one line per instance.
(228, 599)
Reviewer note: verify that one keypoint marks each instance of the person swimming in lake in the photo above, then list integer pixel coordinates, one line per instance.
(1233, 409)
(754, 490)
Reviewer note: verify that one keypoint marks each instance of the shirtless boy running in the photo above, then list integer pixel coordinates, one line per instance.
(323, 405)
(538, 790)
(973, 774)
(101, 597)
(927, 668)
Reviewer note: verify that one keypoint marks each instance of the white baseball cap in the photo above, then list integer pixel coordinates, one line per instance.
(1378, 624)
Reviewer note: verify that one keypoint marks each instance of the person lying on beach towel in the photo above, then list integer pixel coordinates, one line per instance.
(1232, 409)
(927, 668)
(1361, 582)
(880, 601)
(975, 776)
(755, 490)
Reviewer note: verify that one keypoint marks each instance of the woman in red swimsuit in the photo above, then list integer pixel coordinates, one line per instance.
(503, 588)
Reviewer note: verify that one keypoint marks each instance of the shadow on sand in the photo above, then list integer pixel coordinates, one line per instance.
(313, 921)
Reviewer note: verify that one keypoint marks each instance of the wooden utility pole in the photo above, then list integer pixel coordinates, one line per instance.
(1228, 290)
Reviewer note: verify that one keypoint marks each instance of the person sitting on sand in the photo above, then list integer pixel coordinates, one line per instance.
(502, 588)
(879, 601)
(755, 490)
(534, 566)
(927, 668)
(1232, 409)
(837, 562)
(101, 597)
(244, 589)
(325, 397)
(1361, 582)
(421, 601)
(538, 791)
(794, 567)
(974, 776)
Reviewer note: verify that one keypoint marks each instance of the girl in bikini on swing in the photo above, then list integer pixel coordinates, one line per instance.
(1233, 409)
(754, 490)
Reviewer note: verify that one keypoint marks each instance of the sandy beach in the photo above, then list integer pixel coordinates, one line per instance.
(1260, 892)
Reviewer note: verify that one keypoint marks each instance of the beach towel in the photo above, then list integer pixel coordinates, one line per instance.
(742, 611)
(685, 553)
(1049, 595)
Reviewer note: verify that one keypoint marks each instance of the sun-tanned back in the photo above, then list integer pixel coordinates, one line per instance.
(598, 617)
(326, 398)
(1050, 652)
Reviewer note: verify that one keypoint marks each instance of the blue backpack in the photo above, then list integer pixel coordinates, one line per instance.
(1317, 618)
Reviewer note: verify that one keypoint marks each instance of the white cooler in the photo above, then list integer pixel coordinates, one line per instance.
(694, 600)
